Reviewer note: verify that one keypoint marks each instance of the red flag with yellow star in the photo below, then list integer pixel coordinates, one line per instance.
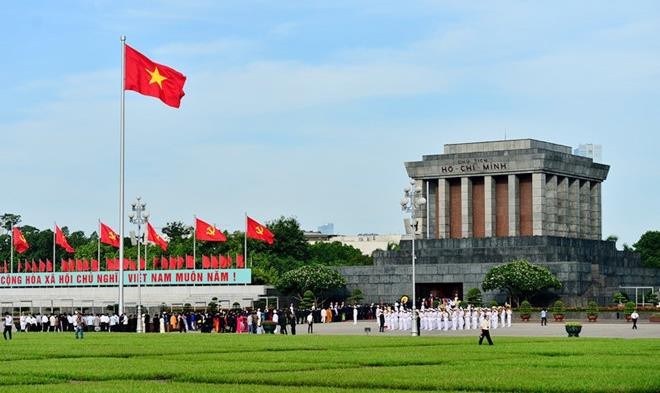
(206, 231)
(259, 232)
(20, 243)
(152, 79)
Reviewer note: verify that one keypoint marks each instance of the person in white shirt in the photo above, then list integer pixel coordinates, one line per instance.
(634, 316)
(503, 317)
(508, 316)
(324, 315)
(355, 315)
(23, 322)
(310, 323)
(9, 324)
(276, 319)
(485, 326)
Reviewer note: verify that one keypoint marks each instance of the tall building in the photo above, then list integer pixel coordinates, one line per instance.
(595, 152)
(327, 229)
(489, 203)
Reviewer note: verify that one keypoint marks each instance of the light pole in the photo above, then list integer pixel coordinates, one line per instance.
(412, 199)
(139, 217)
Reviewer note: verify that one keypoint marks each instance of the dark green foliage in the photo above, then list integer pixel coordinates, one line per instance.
(519, 279)
(649, 248)
(558, 308)
(319, 279)
(474, 297)
(630, 307)
(592, 308)
(525, 308)
(337, 254)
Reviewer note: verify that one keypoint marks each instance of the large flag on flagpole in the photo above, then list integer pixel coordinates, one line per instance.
(152, 79)
(207, 232)
(152, 236)
(108, 236)
(61, 241)
(259, 232)
(20, 244)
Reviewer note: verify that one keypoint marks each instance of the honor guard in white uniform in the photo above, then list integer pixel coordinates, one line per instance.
(508, 316)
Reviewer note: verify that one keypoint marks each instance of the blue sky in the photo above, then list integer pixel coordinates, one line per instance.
(310, 109)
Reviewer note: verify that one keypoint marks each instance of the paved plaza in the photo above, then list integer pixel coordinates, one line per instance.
(609, 329)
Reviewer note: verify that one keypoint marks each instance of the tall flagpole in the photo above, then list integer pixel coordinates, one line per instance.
(98, 250)
(122, 139)
(54, 232)
(11, 249)
(195, 242)
(245, 239)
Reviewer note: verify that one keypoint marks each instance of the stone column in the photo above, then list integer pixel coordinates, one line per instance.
(596, 228)
(514, 206)
(442, 209)
(489, 209)
(585, 210)
(573, 207)
(538, 204)
(562, 207)
(466, 207)
(551, 205)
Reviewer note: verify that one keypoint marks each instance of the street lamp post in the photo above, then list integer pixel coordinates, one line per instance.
(412, 199)
(139, 217)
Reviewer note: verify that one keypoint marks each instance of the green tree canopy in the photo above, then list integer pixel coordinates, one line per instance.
(519, 279)
(316, 278)
(337, 254)
(649, 248)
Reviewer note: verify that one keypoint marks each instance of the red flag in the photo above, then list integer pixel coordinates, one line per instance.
(108, 264)
(20, 244)
(27, 266)
(214, 262)
(206, 262)
(49, 265)
(61, 241)
(95, 265)
(108, 236)
(42, 266)
(224, 262)
(155, 263)
(19, 266)
(152, 236)
(259, 232)
(164, 263)
(35, 268)
(85, 265)
(207, 232)
(152, 79)
(143, 264)
(79, 265)
(72, 265)
(240, 263)
(190, 262)
(179, 262)
(172, 262)
(65, 266)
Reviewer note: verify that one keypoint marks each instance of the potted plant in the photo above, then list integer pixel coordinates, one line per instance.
(525, 310)
(269, 327)
(619, 298)
(592, 311)
(573, 329)
(558, 311)
(630, 307)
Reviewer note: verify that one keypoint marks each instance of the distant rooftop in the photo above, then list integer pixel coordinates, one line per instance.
(512, 144)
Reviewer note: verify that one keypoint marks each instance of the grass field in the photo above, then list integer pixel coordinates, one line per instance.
(266, 363)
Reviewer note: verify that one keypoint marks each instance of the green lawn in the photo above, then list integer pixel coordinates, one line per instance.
(241, 363)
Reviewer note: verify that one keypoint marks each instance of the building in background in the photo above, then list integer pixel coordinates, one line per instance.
(327, 229)
(595, 152)
(367, 243)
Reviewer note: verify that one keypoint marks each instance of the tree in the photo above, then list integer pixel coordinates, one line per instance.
(177, 230)
(8, 220)
(316, 278)
(474, 297)
(307, 301)
(356, 297)
(289, 239)
(519, 278)
(337, 254)
(649, 248)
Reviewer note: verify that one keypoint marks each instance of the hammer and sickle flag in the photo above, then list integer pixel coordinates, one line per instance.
(61, 241)
(207, 232)
(108, 236)
(152, 236)
(259, 232)
(20, 243)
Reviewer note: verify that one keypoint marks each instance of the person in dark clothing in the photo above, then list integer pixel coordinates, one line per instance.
(381, 322)
(292, 321)
(283, 322)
